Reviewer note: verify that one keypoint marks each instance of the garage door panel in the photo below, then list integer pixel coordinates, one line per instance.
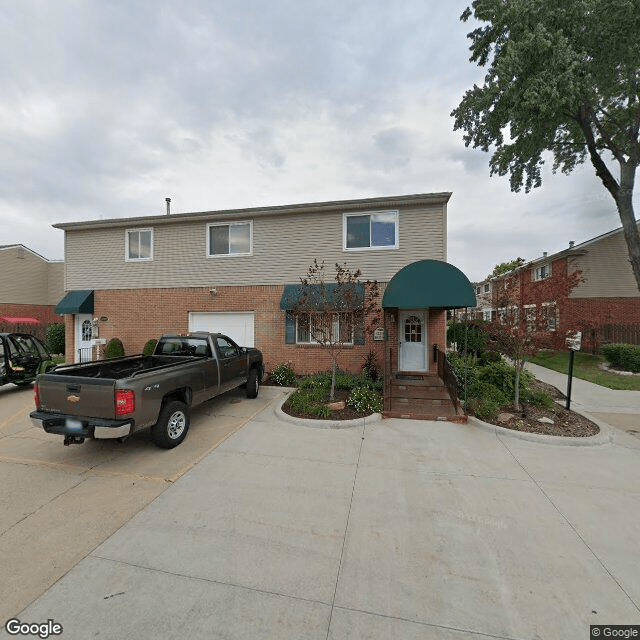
(239, 326)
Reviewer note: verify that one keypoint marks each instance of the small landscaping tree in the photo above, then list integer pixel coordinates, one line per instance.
(335, 314)
(524, 325)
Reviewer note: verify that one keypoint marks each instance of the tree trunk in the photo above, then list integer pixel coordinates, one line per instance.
(624, 201)
(334, 364)
(516, 391)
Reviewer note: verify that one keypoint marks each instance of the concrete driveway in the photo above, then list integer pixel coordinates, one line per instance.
(393, 529)
(58, 503)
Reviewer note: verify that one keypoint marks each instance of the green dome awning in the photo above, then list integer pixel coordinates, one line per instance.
(427, 284)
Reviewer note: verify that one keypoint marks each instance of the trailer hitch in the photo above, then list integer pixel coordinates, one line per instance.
(72, 440)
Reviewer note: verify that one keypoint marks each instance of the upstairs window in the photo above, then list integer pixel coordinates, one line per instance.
(233, 239)
(371, 231)
(139, 244)
(542, 272)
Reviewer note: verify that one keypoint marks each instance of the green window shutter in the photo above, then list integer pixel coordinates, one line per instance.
(289, 328)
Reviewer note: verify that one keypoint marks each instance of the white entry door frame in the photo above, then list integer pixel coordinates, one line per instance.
(83, 337)
(412, 330)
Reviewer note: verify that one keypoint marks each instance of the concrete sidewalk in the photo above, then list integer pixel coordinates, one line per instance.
(395, 529)
(619, 409)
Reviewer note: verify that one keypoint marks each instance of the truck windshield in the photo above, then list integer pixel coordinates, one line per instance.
(183, 346)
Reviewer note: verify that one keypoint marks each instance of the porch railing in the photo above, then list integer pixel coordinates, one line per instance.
(85, 355)
(447, 375)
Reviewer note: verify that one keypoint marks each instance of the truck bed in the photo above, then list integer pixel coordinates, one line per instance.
(120, 368)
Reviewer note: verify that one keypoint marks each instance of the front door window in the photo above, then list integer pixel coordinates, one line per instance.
(413, 329)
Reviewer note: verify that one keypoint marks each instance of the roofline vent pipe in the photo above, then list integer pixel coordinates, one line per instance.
(168, 201)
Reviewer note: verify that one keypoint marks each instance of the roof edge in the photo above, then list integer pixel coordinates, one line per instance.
(310, 207)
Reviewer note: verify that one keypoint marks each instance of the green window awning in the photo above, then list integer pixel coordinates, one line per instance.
(429, 284)
(311, 298)
(76, 302)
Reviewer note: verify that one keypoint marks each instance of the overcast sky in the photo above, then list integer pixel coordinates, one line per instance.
(107, 107)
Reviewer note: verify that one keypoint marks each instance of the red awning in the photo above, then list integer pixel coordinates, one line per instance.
(18, 320)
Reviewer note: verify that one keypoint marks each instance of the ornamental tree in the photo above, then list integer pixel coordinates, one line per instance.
(562, 77)
(335, 314)
(532, 315)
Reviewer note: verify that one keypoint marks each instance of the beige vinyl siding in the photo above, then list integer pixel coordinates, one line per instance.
(284, 245)
(55, 282)
(23, 278)
(607, 270)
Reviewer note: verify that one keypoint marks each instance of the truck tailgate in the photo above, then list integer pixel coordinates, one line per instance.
(77, 396)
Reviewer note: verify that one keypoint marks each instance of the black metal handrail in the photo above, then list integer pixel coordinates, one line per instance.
(447, 375)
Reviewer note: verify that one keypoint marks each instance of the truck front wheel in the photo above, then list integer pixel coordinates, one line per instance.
(253, 384)
(172, 426)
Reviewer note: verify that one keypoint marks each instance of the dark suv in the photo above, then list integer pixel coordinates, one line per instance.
(22, 358)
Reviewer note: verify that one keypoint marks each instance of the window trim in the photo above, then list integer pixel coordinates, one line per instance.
(537, 275)
(313, 342)
(229, 224)
(126, 244)
(396, 214)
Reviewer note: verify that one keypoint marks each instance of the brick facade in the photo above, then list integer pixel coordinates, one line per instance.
(135, 316)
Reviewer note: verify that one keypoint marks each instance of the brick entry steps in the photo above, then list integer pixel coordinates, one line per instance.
(420, 396)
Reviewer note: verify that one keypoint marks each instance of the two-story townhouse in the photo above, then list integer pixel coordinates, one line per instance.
(233, 271)
(30, 287)
(605, 305)
(484, 309)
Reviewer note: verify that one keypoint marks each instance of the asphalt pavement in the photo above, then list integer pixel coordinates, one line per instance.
(383, 529)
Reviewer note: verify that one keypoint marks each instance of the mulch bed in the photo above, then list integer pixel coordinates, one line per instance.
(337, 414)
(565, 423)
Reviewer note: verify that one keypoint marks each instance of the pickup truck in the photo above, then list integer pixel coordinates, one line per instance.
(114, 398)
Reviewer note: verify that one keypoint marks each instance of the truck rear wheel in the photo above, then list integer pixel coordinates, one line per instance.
(253, 384)
(172, 426)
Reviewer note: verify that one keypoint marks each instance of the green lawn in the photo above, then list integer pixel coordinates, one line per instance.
(585, 366)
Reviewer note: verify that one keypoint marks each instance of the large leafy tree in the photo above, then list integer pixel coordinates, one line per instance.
(562, 77)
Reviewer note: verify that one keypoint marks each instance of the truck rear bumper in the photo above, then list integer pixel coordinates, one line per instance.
(81, 427)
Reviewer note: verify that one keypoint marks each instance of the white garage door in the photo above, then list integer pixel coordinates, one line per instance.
(239, 326)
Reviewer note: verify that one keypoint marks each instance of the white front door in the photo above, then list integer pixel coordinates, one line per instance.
(413, 339)
(84, 344)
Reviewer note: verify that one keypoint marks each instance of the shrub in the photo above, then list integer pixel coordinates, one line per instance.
(319, 381)
(311, 401)
(470, 335)
(284, 375)
(55, 338)
(365, 399)
(503, 376)
(115, 349)
(626, 356)
(149, 347)
(465, 368)
(631, 358)
(485, 400)
(539, 399)
(613, 353)
(370, 367)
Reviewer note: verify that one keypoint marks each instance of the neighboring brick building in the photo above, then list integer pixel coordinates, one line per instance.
(30, 287)
(227, 271)
(605, 305)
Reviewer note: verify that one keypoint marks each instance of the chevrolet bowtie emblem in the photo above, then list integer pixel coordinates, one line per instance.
(73, 398)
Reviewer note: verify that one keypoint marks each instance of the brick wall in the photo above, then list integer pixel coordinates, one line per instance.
(43, 313)
(135, 316)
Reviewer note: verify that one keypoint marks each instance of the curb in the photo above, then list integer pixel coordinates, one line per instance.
(605, 435)
(322, 424)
